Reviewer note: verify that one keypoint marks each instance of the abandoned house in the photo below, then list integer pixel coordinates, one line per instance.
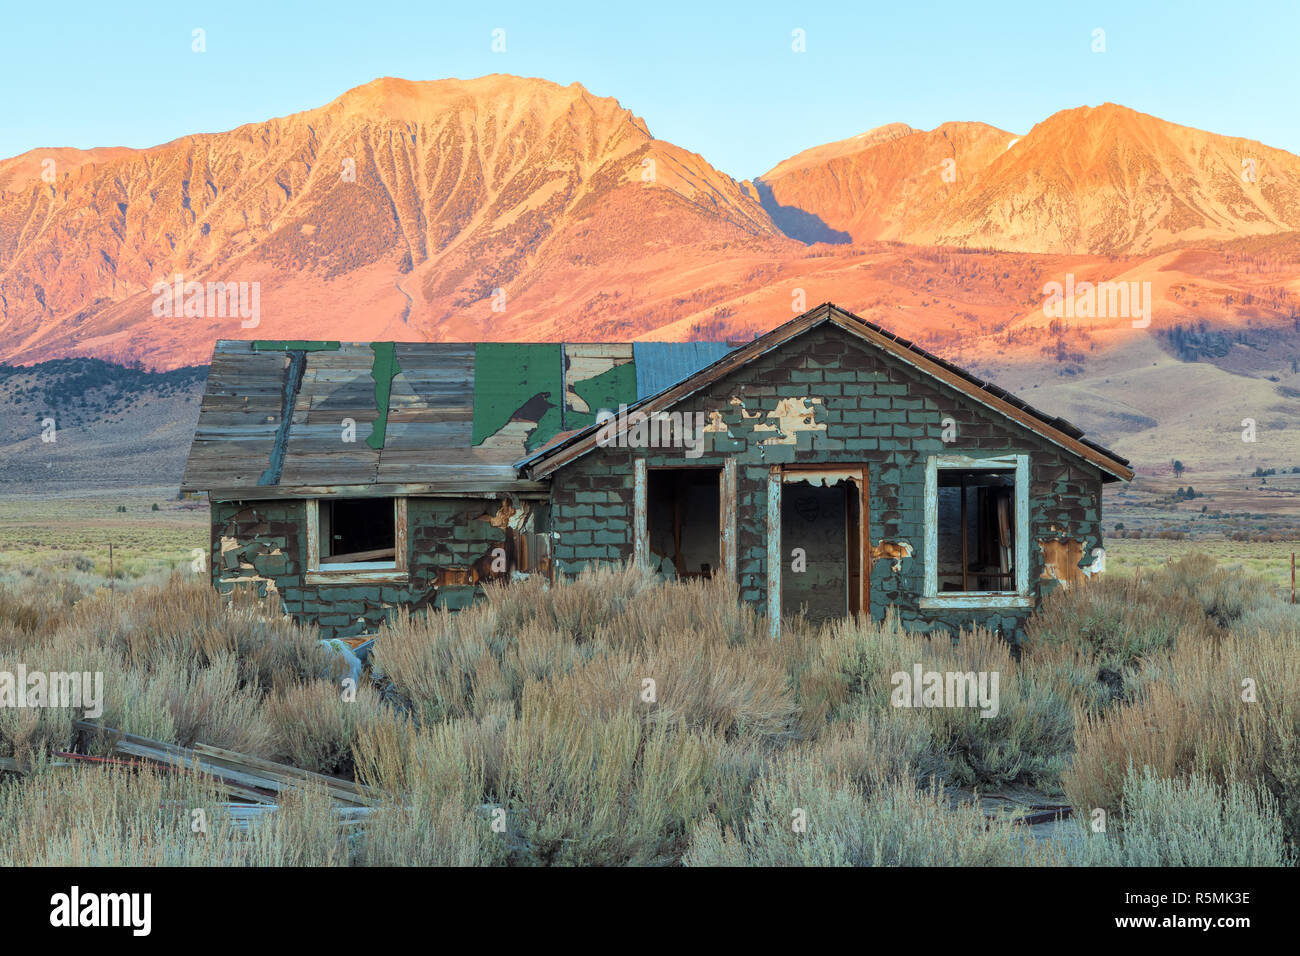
(827, 468)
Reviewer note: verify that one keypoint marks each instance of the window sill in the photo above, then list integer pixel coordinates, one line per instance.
(383, 575)
(957, 601)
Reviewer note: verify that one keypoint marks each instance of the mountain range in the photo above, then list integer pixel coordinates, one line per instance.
(513, 209)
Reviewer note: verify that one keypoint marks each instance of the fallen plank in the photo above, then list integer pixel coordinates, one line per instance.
(229, 767)
(345, 791)
(235, 790)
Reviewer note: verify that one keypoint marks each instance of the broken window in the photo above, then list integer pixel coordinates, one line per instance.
(356, 534)
(976, 529)
(683, 517)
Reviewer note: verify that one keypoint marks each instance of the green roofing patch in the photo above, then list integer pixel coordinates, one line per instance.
(608, 390)
(518, 382)
(383, 371)
(265, 345)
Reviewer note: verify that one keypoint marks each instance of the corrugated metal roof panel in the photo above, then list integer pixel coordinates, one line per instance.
(660, 365)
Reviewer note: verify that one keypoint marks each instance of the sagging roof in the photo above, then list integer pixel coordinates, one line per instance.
(304, 416)
(1055, 429)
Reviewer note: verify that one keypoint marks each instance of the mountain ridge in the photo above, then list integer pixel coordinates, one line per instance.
(504, 207)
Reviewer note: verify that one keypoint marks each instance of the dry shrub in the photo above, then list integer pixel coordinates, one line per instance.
(313, 726)
(894, 825)
(1118, 621)
(851, 666)
(209, 706)
(1191, 821)
(1024, 742)
(711, 661)
(425, 766)
(447, 836)
(1224, 594)
(187, 619)
(530, 709)
(36, 608)
(1070, 672)
(445, 665)
(1192, 716)
(430, 785)
(113, 816)
(29, 733)
(713, 689)
(580, 606)
(303, 831)
(877, 748)
(613, 791)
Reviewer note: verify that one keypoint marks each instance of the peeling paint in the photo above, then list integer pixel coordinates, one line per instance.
(508, 517)
(894, 551)
(792, 415)
(383, 371)
(716, 424)
(519, 387)
(1061, 560)
(252, 580)
(821, 478)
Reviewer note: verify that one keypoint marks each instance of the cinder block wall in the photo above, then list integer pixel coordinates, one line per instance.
(875, 409)
(269, 552)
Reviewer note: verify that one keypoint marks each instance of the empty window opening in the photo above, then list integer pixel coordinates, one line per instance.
(683, 518)
(358, 533)
(820, 538)
(976, 528)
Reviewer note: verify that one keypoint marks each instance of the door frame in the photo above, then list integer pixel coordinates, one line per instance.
(779, 475)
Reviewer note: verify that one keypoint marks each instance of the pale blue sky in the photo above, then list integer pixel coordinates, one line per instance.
(719, 80)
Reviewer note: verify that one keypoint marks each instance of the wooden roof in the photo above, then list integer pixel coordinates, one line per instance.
(1056, 430)
(293, 418)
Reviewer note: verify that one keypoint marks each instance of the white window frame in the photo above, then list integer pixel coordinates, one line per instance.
(362, 571)
(931, 597)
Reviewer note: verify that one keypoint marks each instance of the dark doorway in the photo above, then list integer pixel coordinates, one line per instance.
(683, 508)
(821, 545)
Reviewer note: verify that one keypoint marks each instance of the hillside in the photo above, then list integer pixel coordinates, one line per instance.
(113, 426)
(505, 208)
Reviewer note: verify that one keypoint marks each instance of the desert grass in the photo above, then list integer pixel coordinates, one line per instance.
(804, 813)
(1191, 821)
(615, 719)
